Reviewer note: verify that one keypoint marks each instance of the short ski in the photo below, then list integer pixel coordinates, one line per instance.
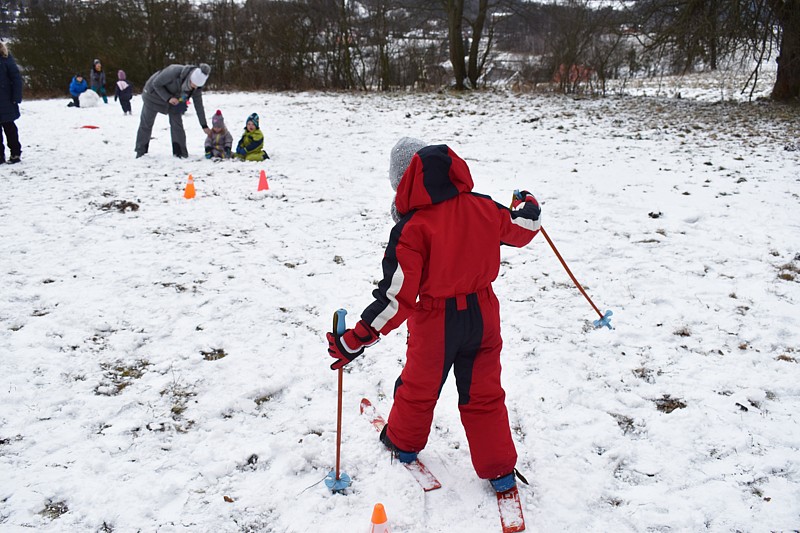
(420, 472)
(510, 509)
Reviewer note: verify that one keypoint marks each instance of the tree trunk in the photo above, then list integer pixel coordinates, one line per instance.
(474, 71)
(787, 81)
(455, 14)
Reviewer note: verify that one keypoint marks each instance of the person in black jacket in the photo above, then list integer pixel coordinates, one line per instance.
(97, 78)
(10, 98)
(123, 90)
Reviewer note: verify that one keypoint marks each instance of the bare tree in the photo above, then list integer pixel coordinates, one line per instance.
(454, 11)
(474, 44)
(572, 35)
(700, 32)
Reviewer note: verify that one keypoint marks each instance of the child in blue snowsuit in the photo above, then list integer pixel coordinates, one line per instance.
(77, 87)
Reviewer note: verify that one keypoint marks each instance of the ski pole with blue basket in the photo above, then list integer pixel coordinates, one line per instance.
(336, 480)
(605, 319)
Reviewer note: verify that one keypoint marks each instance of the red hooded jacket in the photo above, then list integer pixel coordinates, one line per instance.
(448, 241)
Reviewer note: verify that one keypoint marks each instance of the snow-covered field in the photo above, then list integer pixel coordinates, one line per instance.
(164, 365)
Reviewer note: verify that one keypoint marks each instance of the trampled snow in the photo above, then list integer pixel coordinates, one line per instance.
(164, 365)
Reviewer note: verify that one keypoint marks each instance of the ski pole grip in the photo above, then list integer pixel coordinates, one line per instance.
(338, 322)
(516, 199)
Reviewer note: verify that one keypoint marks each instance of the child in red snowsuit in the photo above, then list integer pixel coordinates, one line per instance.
(438, 268)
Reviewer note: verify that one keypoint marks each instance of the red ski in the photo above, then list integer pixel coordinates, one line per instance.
(510, 509)
(420, 472)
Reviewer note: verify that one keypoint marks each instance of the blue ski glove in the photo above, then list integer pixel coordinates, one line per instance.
(349, 345)
(240, 150)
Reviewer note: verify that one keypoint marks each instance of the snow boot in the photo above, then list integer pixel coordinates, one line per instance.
(402, 455)
(503, 483)
(507, 482)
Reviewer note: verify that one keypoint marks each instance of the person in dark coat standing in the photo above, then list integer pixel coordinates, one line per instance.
(98, 80)
(167, 92)
(10, 98)
(123, 90)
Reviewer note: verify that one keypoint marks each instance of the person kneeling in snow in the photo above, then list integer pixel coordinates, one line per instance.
(438, 268)
(77, 87)
(250, 147)
(219, 139)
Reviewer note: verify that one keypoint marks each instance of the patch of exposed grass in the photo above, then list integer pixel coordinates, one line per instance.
(177, 286)
(789, 272)
(646, 374)
(667, 404)
(117, 376)
(120, 205)
(683, 332)
(625, 423)
(54, 509)
(263, 399)
(179, 396)
(213, 355)
(8, 440)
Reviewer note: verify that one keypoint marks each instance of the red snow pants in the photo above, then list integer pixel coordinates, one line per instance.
(462, 332)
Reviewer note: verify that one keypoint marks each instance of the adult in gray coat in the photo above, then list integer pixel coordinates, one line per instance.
(166, 92)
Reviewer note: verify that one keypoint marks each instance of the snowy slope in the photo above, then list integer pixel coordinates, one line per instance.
(164, 367)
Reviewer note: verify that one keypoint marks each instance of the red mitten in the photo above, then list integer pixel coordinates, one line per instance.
(350, 344)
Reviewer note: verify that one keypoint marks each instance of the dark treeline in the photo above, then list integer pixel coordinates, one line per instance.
(320, 44)
(258, 44)
(390, 44)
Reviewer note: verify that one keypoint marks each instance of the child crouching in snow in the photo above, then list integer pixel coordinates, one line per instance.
(219, 140)
(251, 145)
(76, 87)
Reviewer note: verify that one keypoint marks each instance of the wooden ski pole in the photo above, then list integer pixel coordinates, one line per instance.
(604, 319)
(337, 481)
(571, 275)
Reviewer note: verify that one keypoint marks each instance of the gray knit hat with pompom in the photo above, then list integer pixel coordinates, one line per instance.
(400, 158)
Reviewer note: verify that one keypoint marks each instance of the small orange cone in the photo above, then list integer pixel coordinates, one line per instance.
(262, 182)
(379, 521)
(188, 193)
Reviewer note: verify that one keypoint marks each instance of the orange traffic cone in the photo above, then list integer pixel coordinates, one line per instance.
(188, 193)
(379, 522)
(262, 182)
